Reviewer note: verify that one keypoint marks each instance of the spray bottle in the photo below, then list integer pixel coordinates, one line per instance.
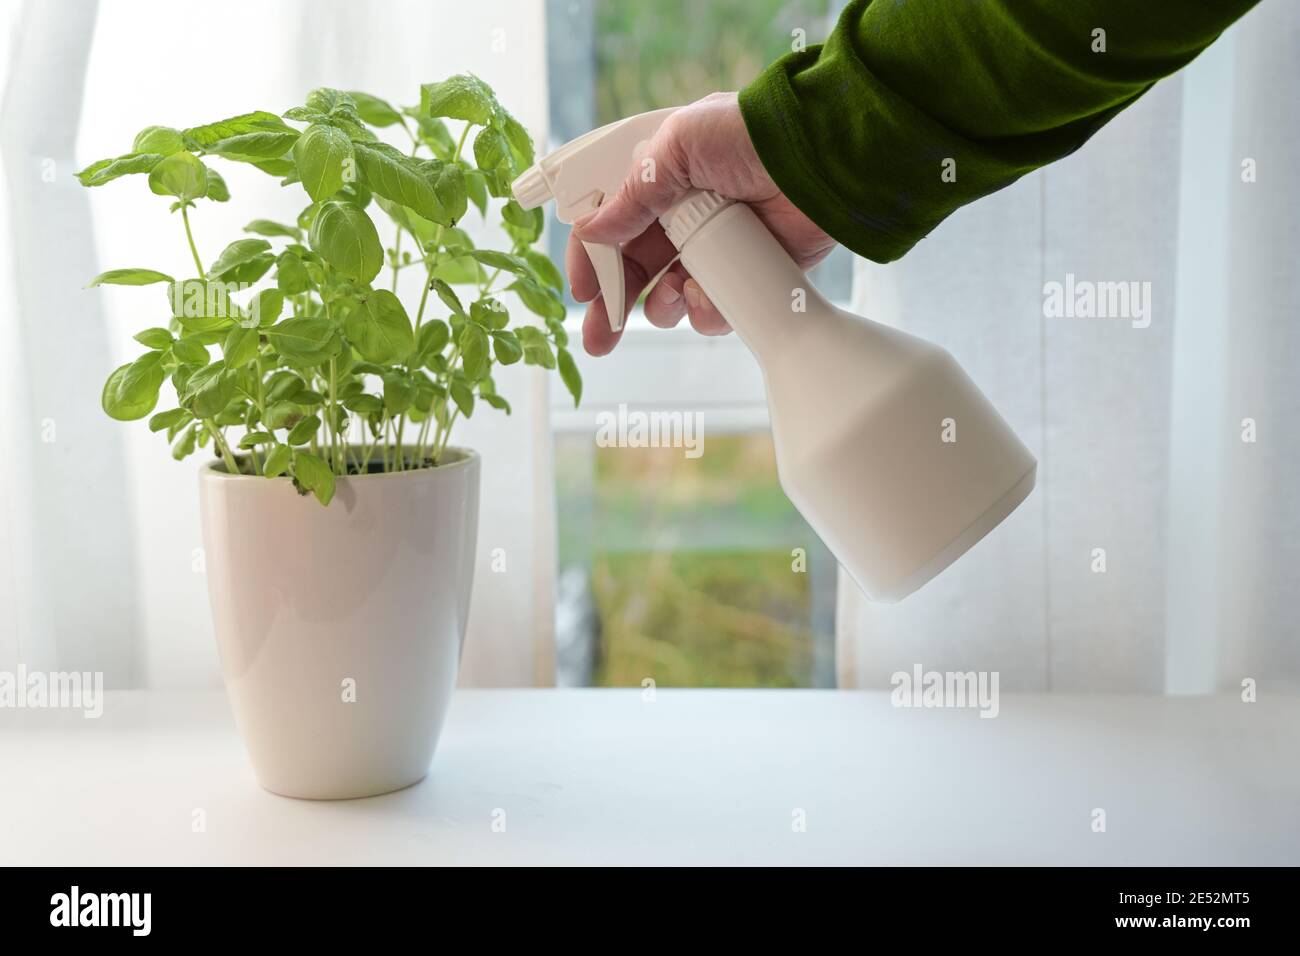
(883, 443)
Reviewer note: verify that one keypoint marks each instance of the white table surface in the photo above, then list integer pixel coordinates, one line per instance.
(602, 777)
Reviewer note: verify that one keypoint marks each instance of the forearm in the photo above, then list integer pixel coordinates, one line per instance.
(913, 109)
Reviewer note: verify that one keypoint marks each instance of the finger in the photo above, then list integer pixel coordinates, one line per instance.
(577, 266)
(705, 318)
(597, 337)
(666, 304)
(657, 179)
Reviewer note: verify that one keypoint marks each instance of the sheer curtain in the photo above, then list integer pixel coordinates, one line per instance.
(101, 566)
(1159, 552)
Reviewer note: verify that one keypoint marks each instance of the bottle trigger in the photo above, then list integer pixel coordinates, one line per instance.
(607, 260)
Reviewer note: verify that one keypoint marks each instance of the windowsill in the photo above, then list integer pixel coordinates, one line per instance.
(687, 777)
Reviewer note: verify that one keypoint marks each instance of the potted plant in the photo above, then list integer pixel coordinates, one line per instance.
(339, 522)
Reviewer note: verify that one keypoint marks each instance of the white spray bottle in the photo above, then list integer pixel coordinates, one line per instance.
(883, 443)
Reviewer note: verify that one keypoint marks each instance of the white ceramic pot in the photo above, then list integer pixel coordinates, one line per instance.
(340, 627)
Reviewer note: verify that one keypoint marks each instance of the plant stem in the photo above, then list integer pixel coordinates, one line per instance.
(422, 438)
(446, 436)
(189, 235)
(232, 467)
(333, 418)
(261, 392)
(397, 258)
(432, 262)
(415, 143)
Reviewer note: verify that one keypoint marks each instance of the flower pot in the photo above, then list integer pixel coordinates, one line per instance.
(340, 627)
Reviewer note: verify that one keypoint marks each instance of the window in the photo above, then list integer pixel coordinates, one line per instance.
(683, 564)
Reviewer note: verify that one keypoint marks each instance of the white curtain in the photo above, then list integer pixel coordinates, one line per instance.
(1138, 431)
(101, 565)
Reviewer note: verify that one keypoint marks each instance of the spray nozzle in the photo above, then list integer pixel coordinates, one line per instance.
(579, 176)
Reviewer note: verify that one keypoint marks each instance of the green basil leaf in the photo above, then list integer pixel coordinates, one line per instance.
(570, 375)
(283, 414)
(255, 147)
(460, 270)
(401, 179)
(107, 170)
(278, 167)
(201, 306)
(218, 191)
(545, 270)
(308, 341)
(524, 225)
(266, 227)
(144, 378)
(448, 296)
(291, 275)
(463, 97)
(247, 273)
(379, 329)
(162, 140)
(129, 277)
(364, 404)
(155, 338)
(491, 149)
(506, 346)
(241, 346)
(324, 157)
(433, 133)
(473, 342)
(190, 352)
(313, 475)
(116, 406)
(399, 393)
(501, 260)
(344, 236)
(256, 122)
(256, 438)
(327, 100)
(422, 229)
(449, 185)
(168, 419)
(303, 114)
(277, 461)
(238, 253)
(184, 445)
(434, 336)
(375, 111)
(211, 389)
(181, 175)
(463, 396)
(537, 348)
(538, 298)
(265, 308)
(556, 327)
(283, 386)
(302, 432)
(496, 401)
(521, 144)
(489, 313)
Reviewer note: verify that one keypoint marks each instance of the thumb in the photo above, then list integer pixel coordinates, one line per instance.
(658, 178)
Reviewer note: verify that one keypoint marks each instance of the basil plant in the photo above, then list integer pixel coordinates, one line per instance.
(290, 351)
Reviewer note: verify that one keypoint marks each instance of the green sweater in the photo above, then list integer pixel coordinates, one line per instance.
(913, 108)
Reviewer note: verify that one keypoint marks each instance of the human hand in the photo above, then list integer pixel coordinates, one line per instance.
(701, 146)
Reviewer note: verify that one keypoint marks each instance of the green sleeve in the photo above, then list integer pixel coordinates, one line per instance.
(857, 132)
